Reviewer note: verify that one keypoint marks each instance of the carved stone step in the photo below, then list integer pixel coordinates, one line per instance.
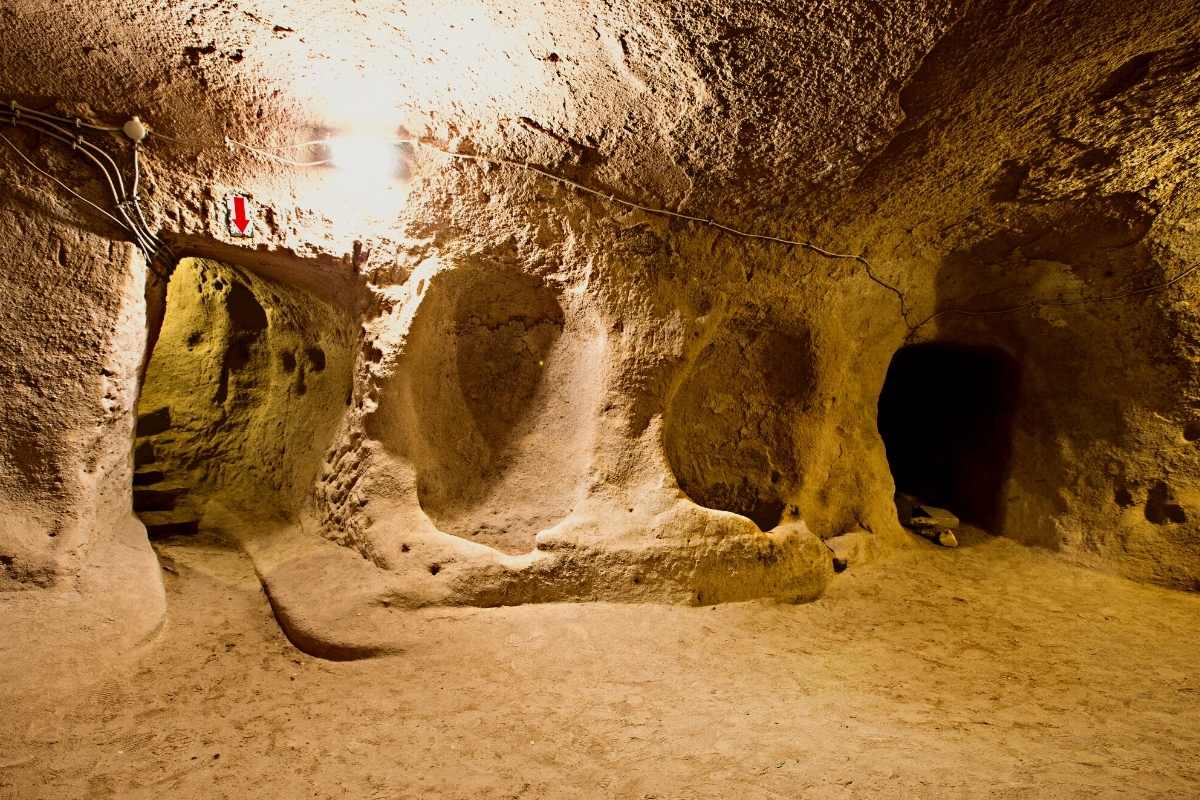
(153, 422)
(144, 453)
(160, 497)
(160, 524)
(148, 476)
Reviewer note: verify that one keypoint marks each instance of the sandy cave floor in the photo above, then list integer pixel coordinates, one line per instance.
(988, 671)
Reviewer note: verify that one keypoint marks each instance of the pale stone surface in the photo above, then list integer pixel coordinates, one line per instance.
(552, 396)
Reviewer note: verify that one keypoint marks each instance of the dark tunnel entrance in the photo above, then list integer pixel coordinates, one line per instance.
(946, 419)
(246, 384)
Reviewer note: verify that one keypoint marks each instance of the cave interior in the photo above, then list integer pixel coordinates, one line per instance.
(492, 399)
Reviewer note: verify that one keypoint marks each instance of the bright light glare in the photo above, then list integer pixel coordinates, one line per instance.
(364, 184)
(371, 160)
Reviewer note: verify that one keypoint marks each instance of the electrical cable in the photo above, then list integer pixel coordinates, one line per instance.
(230, 142)
(186, 142)
(609, 196)
(160, 243)
(269, 156)
(76, 194)
(135, 223)
(868, 269)
(78, 142)
(73, 143)
(127, 206)
(809, 246)
(16, 107)
(136, 203)
(612, 198)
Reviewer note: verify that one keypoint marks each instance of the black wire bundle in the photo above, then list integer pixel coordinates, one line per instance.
(126, 203)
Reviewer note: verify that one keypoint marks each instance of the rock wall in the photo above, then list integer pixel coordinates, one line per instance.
(556, 396)
(500, 403)
(500, 450)
(72, 335)
(1045, 202)
(630, 404)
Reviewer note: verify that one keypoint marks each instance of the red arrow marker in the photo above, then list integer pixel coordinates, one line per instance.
(241, 220)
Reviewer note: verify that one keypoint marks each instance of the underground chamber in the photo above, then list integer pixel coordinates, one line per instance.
(946, 416)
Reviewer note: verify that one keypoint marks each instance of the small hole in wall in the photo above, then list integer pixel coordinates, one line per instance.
(434, 569)
(288, 359)
(1191, 431)
(1161, 506)
(1123, 497)
(946, 418)
(246, 314)
(316, 358)
(240, 354)
(372, 353)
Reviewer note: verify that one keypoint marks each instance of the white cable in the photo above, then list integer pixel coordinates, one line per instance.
(78, 144)
(277, 159)
(151, 244)
(29, 161)
(77, 141)
(78, 123)
(612, 198)
(131, 219)
(230, 142)
(609, 196)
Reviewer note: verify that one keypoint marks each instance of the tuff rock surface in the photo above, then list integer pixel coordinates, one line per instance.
(528, 392)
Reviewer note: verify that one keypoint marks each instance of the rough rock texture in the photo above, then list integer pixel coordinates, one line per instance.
(1090, 192)
(496, 415)
(72, 334)
(73, 327)
(556, 396)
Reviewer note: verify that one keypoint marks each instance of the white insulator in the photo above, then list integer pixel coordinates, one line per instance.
(135, 129)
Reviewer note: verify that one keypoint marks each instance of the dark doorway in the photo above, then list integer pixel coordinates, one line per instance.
(946, 418)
